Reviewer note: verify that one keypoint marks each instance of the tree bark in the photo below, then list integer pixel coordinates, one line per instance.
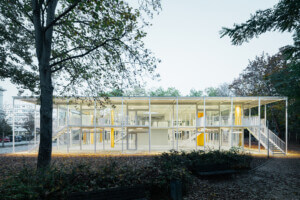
(2, 134)
(46, 98)
(43, 40)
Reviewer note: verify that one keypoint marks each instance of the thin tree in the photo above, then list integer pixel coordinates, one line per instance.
(72, 47)
(282, 17)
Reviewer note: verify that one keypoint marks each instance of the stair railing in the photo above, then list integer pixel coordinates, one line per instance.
(274, 139)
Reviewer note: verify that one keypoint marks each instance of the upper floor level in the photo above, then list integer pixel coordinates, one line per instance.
(160, 112)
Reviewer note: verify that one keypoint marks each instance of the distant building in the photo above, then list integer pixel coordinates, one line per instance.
(1, 97)
(22, 112)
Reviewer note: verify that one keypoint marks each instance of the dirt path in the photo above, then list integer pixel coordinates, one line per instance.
(278, 178)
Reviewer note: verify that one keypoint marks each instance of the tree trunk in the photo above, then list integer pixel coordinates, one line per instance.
(2, 135)
(46, 98)
(43, 41)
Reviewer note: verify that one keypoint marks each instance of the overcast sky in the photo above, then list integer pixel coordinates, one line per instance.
(185, 36)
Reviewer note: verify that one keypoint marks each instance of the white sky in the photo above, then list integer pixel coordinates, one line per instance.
(185, 36)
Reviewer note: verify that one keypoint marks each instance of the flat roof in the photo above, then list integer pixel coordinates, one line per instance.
(248, 102)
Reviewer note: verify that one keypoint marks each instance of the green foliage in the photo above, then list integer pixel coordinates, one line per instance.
(196, 161)
(59, 181)
(196, 93)
(284, 16)
(73, 47)
(253, 81)
(160, 92)
(5, 128)
(94, 44)
(212, 92)
(222, 90)
(272, 75)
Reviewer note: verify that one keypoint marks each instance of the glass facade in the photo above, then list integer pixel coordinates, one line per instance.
(157, 123)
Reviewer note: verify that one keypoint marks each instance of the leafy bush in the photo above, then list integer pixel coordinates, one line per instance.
(196, 161)
(60, 180)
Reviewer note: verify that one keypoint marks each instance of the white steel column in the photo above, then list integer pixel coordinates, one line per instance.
(196, 118)
(34, 124)
(268, 149)
(13, 150)
(243, 129)
(122, 123)
(177, 124)
(127, 122)
(249, 126)
(219, 126)
(265, 116)
(286, 125)
(149, 123)
(95, 138)
(57, 139)
(68, 130)
(231, 122)
(265, 124)
(80, 136)
(204, 115)
(259, 124)
(173, 131)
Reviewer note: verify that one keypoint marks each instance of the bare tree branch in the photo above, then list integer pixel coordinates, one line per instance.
(83, 54)
(70, 50)
(63, 14)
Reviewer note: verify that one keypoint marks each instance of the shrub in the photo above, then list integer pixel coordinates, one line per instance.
(196, 161)
(60, 180)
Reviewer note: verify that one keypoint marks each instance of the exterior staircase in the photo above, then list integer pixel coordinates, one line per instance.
(276, 145)
(59, 132)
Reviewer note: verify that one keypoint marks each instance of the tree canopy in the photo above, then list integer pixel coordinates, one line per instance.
(94, 44)
(284, 16)
(73, 47)
(160, 92)
(272, 75)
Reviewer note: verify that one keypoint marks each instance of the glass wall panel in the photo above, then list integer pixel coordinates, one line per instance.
(212, 111)
(225, 109)
(225, 138)
(250, 113)
(74, 139)
(74, 114)
(187, 120)
(88, 112)
(163, 112)
(62, 110)
(213, 138)
(136, 132)
(162, 115)
(237, 137)
(62, 141)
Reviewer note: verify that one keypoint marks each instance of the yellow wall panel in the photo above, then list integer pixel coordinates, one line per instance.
(84, 137)
(238, 115)
(200, 139)
(112, 132)
(92, 137)
(200, 114)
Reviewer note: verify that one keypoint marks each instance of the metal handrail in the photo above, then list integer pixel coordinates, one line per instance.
(275, 139)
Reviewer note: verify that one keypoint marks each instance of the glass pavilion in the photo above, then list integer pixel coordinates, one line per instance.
(88, 124)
